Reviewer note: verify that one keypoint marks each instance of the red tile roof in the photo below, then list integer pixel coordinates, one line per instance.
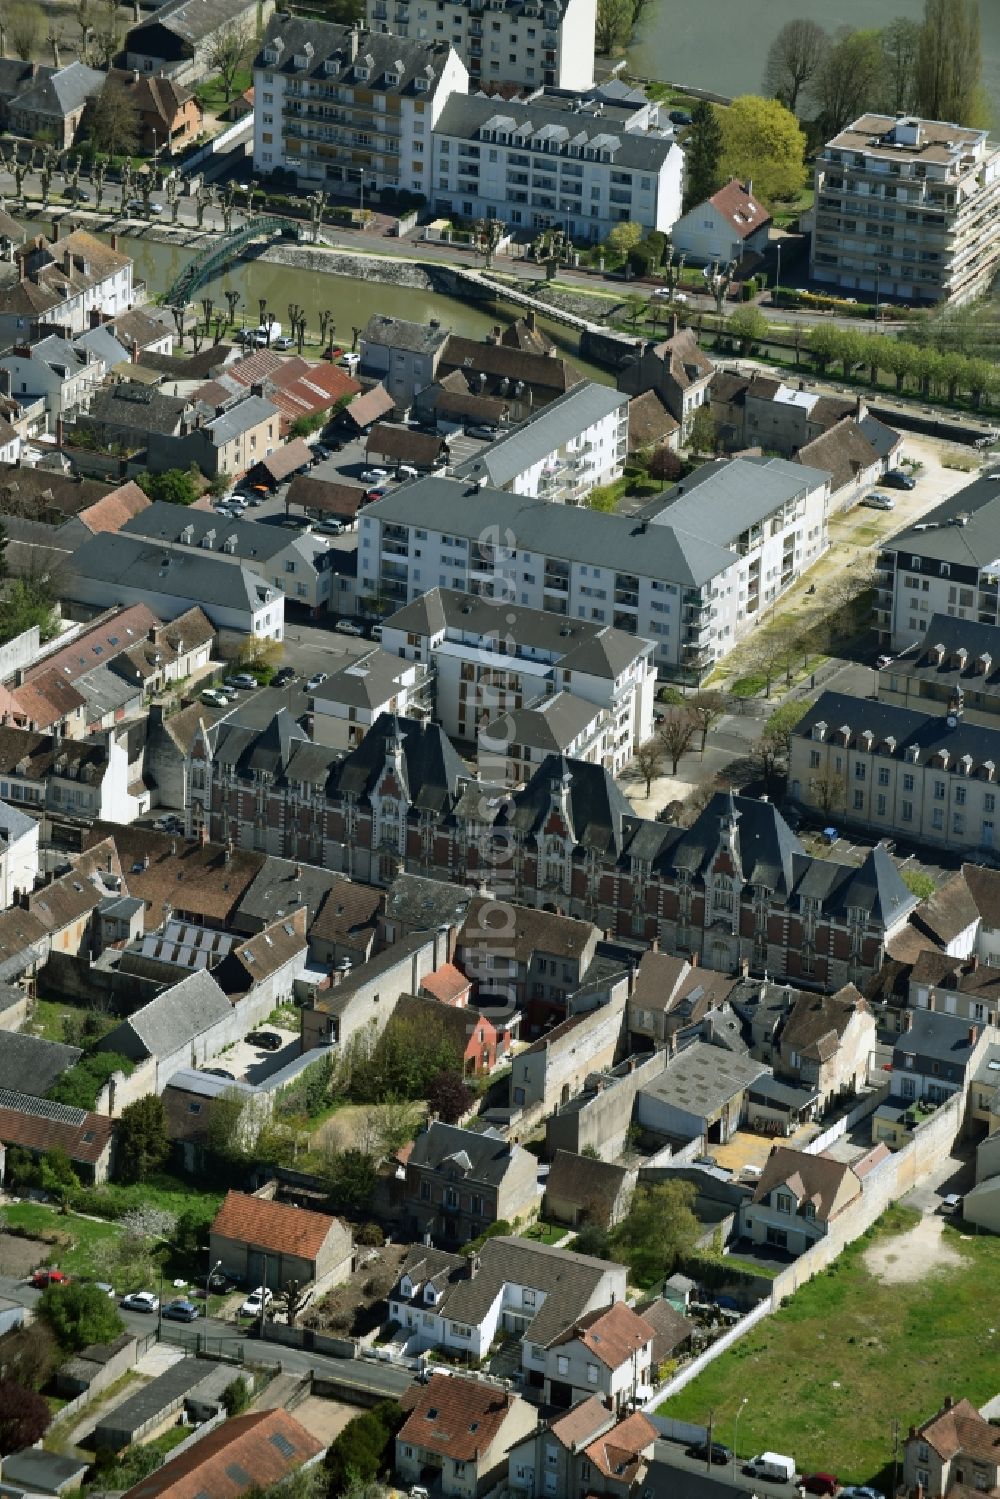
(958, 1427)
(616, 1453)
(745, 213)
(257, 1449)
(457, 1418)
(272, 1225)
(446, 983)
(367, 408)
(612, 1334)
(82, 1135)
(111, 513)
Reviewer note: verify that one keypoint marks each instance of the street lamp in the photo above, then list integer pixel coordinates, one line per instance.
(777, 278)
(361, 196)
(878, 271)
(736, 1427)
(208, 1282)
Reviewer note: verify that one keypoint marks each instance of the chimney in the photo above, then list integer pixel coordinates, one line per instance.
(227, 856)
(974, 962)
(55, 52)
(60, 431)
(145, 861)
(948, 1402)
(907, 1018)
(257, 390)
(473, 1266)
(203, 835)
(4, 382)
(67, 262)
(673, 325)
(973, 1034)
(860, 409)
(749, 186)
(114, 242)
(135, 75)
(496, 335)
(912, 1433)
(56, 229)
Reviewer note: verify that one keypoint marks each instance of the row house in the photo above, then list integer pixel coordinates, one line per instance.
(736, 886)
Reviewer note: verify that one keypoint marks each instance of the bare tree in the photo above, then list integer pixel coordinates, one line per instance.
(706, 708)
(648, 760)
(228, 51)
(828, 791)
(792, 59)
(24, 27)
(676, 733)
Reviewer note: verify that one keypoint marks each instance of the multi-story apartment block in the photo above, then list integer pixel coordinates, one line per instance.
(955, 665)
(929, 778)
(583, 164)
(693, 572)
(485, 665)
(403, 356)
(577, 441)
(535, 42)
(737, 885)
(907, 208)
(944, 564)
(349, 109)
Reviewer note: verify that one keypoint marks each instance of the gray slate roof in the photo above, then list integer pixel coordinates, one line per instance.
(941, 535)
(551, 726)
(30, 1065)
(722, 499)
(63, 92)
(169, 523)
(367, 681)
(480, 1157)
(14, 823)
(239, 418)
(424, 904)
(176, 1016)
(199, 576)
(926, 732)
(544, 432)
(702, 1078)
(397, 333)
(382, 53)
(464, 116)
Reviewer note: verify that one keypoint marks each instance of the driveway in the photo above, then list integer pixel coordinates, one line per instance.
(252, 1064)
(956, 1173)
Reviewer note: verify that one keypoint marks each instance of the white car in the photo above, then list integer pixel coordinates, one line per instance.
(214, 697)
(880, 502)
(374, 475)
(258, 1298)
(141, 1301)
(348, 627)
(316, 680)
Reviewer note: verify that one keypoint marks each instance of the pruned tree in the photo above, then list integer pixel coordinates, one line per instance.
(792, 60)
(228, 51)
(612, 25)
(648, 760)
(115, 125)
(676, 732)
(829, 790)
(701, 432)
(293, 1299)
(705, 709)
(23, 22)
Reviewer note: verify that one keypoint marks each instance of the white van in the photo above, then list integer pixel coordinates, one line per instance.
(406, 471)
(349, 361)
(772, 1465)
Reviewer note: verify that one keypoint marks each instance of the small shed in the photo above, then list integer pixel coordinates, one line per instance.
(291, 458)
(399, 445)
(326, 498)
(263, 1242)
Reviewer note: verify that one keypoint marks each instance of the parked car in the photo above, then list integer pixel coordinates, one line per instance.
(284, 342)
(46, 1277)
(283, 676)
(680, 117)
(376, 632)
(258, 1298)
(349, 627)
(374, 475)
(879, 502)
(105, 1288)
(316, 680)
(951, 1204)
(219, 1072)
(860, 1491)
(266, 1040)
(243, 680)
(221, 1284)
(374, 494)
(897, 478)
(720, 1454)
(774, 1466)
(321, 451)
(486, 433)
(821, 1483)
(214, 697)
(181, 1311)
(331, 528)
(141, 1301)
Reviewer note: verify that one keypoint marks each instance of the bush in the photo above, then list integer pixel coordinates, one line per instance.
(500, 1227)
(369, 1235)
(81, 1085)
(751, 686)
(79, 1314)
(177, 486)
(236, 1396)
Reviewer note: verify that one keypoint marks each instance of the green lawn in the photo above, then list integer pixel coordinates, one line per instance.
(826, 1376)
(212, 96)
(174, 1193)
(59, 1020)
(85, 1233)
(545, 1233)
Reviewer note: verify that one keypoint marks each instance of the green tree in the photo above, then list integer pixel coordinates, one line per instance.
(701, 433)
(177, 486)
(24, 1417)
(56, 1175)
(115, 123)
(624, 237)
(81, 1085)
(27, 602)
(706, 708)
(4, 541)
(748, 325)
(770, 753)
(823, 344)
(949, 63)
(981, 379)
(919, 883)
(952, 373)
(79, 1314)
(762, 141)
(352, 1178)
(364, 1449)
(613, 25)
(793, 58)
(703, 148)
(900, 359)
(228, 50)
(143, 1142)
(850, 349)
(659, 1228)
(900, 46)
(849, 79)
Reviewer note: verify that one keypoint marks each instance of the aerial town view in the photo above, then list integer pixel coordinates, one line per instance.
(499, 749)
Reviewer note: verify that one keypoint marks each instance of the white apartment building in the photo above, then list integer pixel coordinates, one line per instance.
(488, 661)
(947, 563)
(929, 778)
(693, 573)
(83, 276)
(349, 701)
(401, 355)
(582, 164)
(907, 208)
(512, 746)
(546, 43)
(349, 110)
(577, 441)
(19, 863)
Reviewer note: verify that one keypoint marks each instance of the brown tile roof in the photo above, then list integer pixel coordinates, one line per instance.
(341, 500)
(348, 908)
(187, 874)
(905, 946)
(581, 1423)
(585, 1182)
(843, 451)
(83, 1136)
(137, 327)
(187, 631)
(828, 1184)
(984, 887)
(523, 334)
(458, 1022)
(938, 970)
(618, 1451)
(949, 911)
(43, 753)
(370, 405)
(446, 984)
(534, 931)
(74, 894)
(649, 422)
(273, 1226)
(286, 459)
(27, 491)
(98, 644)
(864, 1165)
(744, 213)
(46, 700)
(817, 1022)
(686, 360)
(958, 1427)
(247, 1452)
(402, 445)
(611, 1334)
(543, 372)
(265, 953)
(670, 1327)
(111, 513)
(457, 1418)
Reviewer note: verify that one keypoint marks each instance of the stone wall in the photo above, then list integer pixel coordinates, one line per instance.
(602, 1121)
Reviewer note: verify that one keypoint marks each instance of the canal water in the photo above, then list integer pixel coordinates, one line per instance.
(721, 45)
(351, 302)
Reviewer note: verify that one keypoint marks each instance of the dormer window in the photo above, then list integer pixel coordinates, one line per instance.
(360, 71)
(430, 1295)
(420, 84)
(304, 58)
(406, 1286)
(392, 80)
(273, 51)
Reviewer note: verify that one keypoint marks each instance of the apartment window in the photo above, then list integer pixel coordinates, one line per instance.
(989, 802)
(591, 1373)
(939, 791)
(860, 770)
(814, 759)
(908, 783)
(562, 1365)
(859, 801)
(937, 818)
(784, 1203)
(527, 1298)
(880, 806)
(958, 822)
(883, 775)
(906, 811)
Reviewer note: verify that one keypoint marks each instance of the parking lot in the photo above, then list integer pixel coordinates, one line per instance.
(252, 1064)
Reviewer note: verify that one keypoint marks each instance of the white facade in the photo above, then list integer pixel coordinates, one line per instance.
(542, 42)
(349, 702)
(76, 789)
(18, 853)
(563, 451)
(64, 376)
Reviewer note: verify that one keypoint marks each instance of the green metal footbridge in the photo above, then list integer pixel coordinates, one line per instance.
(222, 252)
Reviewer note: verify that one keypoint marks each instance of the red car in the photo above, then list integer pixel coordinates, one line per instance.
(821, 1483)
(44, 1277)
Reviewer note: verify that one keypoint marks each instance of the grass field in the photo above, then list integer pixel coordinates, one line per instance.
(544, 1233)
(86, 1234)
(59, 1020)
(826, 1376)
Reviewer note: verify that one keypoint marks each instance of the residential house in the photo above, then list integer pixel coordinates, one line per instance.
(956, 664)
(414, 903)
(59, 916)
(555, 1068)
(352, 698)
(856, 454)
(63, 375)
(173, 433)
(459, 1181)
(392, 81)
(554, 47)
(72, 777)
(902, 772)
(68, 280)
(262, 1242)
(296, 386)
(109, 570)
(650, 424)
(402, 355)
(954, 1450)
(939, 186)
(936, 1054)
(457, 1434)
(521, 380)
(970, 990)
(401, 447)
(606, 1353)
(37, 1125)
(448, 985)
(293, 563)
(797, 1200)
(827, 1043)
(670, 995)
(345, 926)
(450, 404)
(701, 1094)
(472, 1035)
(478, 672)
(981, 1204)
(260, 1447)
(575, 442)
(676, 369)
(580, 1189)
(532, 960)
(177, 41)
(19, 865)
(185, 1025)
(672, 1331)
(170, 116)
(30, 1064)
(364, 999)
(692, 572)
(586, 1450)
(608, 157)
(726, 228)
(512, 746)
(512, 1288)
(51, 103)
